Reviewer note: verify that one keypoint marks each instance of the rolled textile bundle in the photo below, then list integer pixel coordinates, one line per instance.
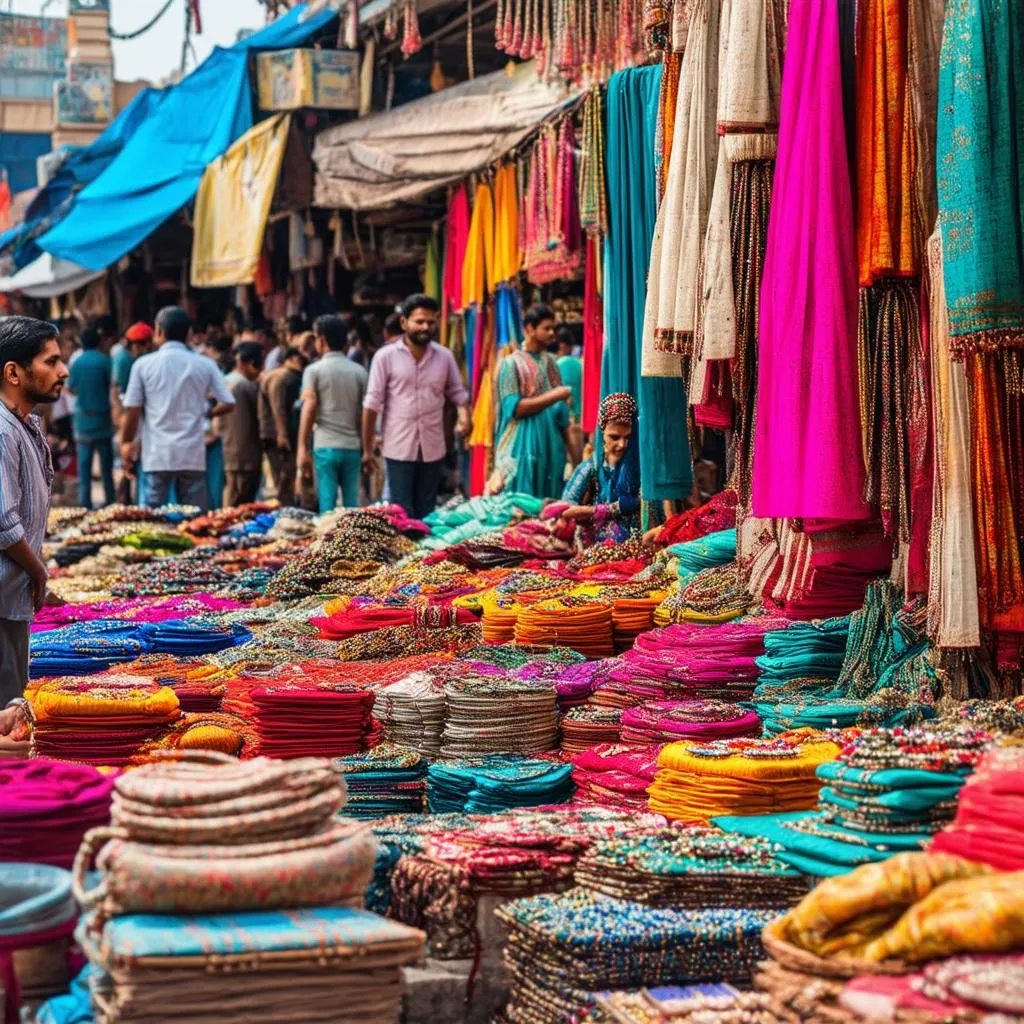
(697, 781)
(615, 775)
(46, 807)
(564, 949)
(495, 784)
(989, 823)
(386, 780)
(694, 869)
(341, 964)
(667, 720)
(333, 865)
(211, 798)
(587, 725)
(582, 624)
(100, 720)
(37, 918)
(296, 720)
(494, 716)
(842, 916)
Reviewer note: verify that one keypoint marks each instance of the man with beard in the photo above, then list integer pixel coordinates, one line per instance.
(409, 384)
(32, 373)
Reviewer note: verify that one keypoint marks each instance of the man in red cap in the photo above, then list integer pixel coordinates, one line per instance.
(138, 341)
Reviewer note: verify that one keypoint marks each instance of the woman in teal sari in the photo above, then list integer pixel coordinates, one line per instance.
(533, 418)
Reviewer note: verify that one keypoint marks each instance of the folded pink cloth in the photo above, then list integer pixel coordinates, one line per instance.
(667, 720)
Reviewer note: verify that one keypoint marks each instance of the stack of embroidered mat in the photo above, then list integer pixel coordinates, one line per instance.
(699, 781)
(668, 720)
(587, 725)
(496, 783)
(497, 715)
(563, 949)
(296, 720)
(385, 780)
(85, 647)
(889, 791)
(437, 886)
(411, 712)
(615, 775)
(99, 720)
(46, 807)
(203, 878)
(701, 867)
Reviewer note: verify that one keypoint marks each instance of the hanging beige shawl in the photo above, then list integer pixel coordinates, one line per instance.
(749, 65)
(953, 576)
(670, 313)
(233, 203)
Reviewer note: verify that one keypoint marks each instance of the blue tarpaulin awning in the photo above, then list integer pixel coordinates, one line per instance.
(158, 167)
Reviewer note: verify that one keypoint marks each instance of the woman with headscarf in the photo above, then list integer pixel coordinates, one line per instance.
(603, 494)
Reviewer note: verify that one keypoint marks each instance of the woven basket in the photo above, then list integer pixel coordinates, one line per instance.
(794, 958)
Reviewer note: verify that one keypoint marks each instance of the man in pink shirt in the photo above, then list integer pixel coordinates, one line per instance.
(409, 383)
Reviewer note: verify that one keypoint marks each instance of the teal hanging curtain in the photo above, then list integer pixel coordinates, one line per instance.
(666, 471)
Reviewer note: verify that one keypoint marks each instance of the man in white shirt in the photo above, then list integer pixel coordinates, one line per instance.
(170, 391)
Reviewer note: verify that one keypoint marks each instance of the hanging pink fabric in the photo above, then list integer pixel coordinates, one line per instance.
(807, 444)
(593, 336)
(455, 251)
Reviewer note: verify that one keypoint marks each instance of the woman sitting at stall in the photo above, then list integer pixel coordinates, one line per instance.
(603, 494)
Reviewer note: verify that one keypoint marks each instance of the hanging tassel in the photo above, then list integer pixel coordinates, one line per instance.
(391, 24)
(352, 26)
(411, 41)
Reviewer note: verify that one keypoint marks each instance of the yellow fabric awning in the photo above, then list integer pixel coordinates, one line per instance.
(233, 203)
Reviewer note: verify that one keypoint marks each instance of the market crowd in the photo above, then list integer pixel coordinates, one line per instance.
(327, 413)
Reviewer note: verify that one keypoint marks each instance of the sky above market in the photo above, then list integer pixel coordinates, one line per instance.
(157, 53)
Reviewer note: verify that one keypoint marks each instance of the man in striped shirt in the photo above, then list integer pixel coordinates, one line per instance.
(31, 373)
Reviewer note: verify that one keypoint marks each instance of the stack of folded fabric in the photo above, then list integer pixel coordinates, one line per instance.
(683, 1004)
(384, 781)
(711, 597)
(496, 783)
(575, 683)
(632, 616)
(802, 651)
(46, 807)
(499, 620)
(989, 823)
(196, 695)
(495, 716)
(580, 623)
(296, 720)
(666, 720)
(890, 790)
(193, 637)
(563, 949)
(411, 712)
(587, 725)
(169, 939)
(86, 647)
(707, 552)
(701, 867)
(688, 660)
(355, 620)
(699, 781)
(100, 720)
(615, 775)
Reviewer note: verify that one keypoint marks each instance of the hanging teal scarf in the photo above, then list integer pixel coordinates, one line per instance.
(666, 472)
(980, 159)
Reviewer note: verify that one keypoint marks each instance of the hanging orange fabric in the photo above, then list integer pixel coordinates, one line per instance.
(478, 267)
(886, 147)
(507, 256)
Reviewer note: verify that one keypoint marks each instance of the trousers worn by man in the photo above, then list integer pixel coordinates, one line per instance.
(283, 467)
(189, 487)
